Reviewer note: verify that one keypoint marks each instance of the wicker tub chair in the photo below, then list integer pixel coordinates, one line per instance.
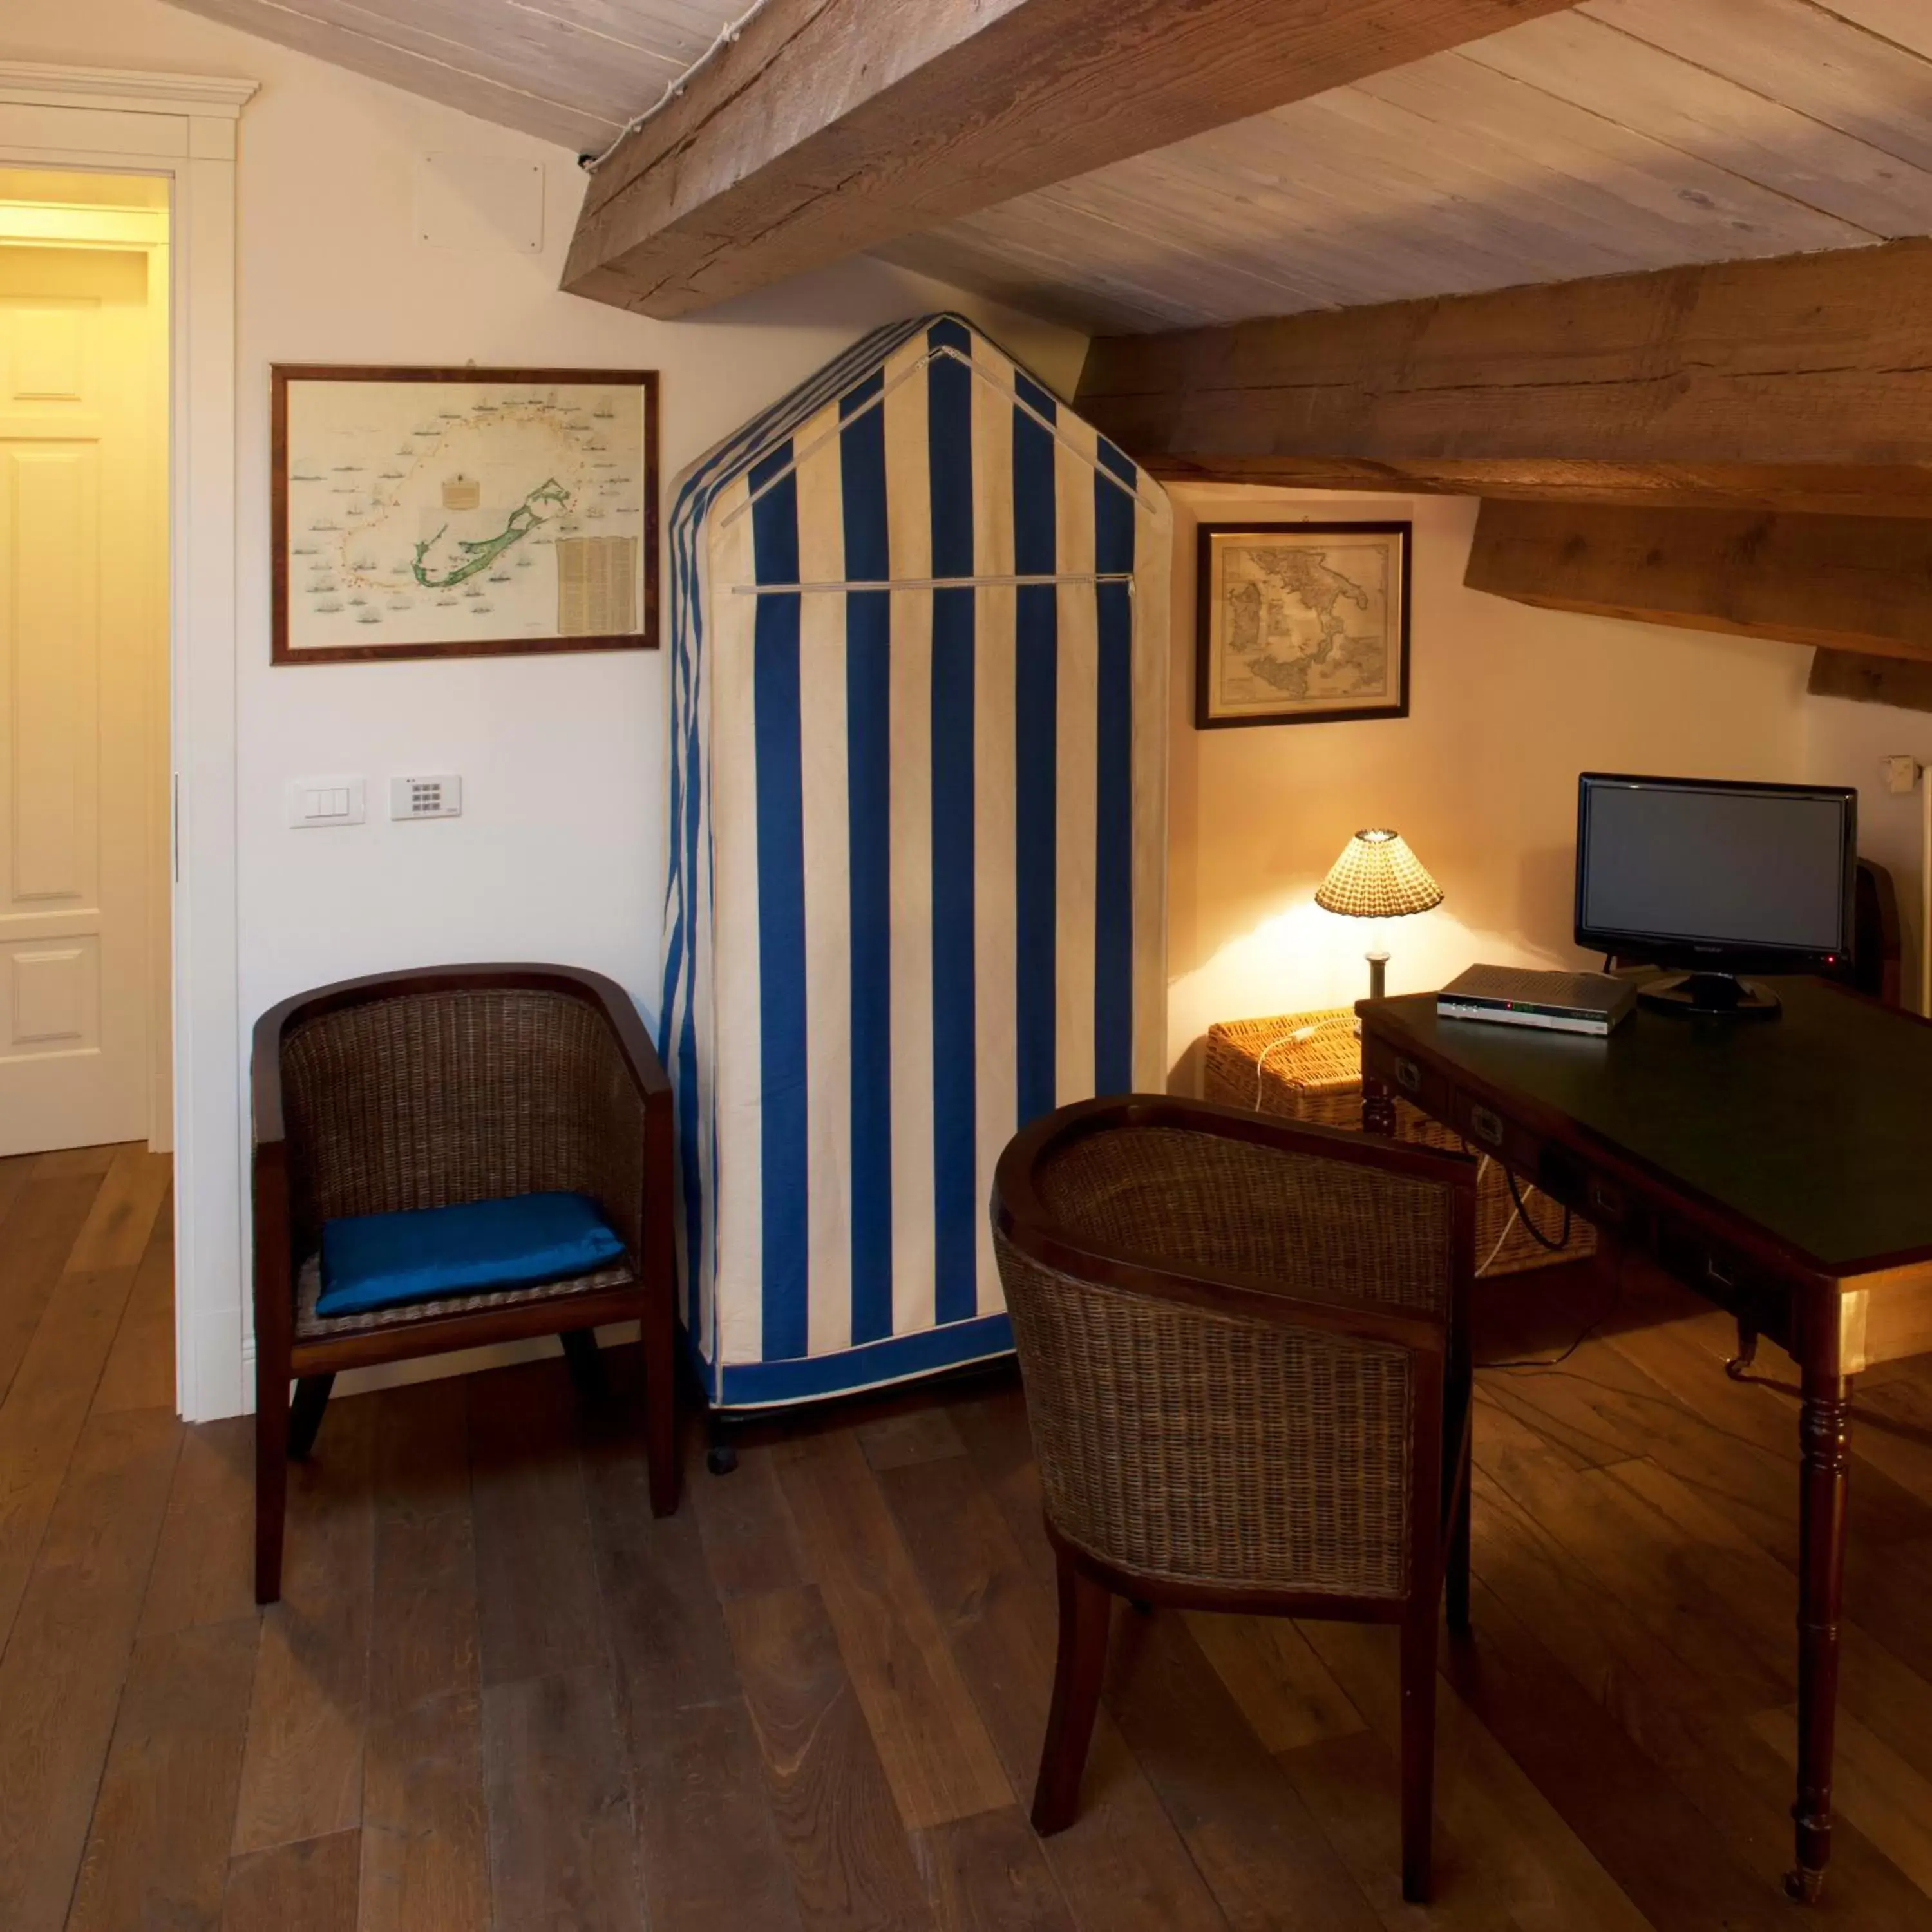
(1247, 1376)
(434, 1089)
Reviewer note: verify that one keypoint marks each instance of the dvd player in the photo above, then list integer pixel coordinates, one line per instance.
(1590, 1002)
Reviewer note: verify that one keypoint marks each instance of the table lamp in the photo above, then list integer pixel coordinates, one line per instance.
(1377, 877)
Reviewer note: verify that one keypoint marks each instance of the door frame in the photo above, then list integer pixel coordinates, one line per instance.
(80, 229)
(183, 127)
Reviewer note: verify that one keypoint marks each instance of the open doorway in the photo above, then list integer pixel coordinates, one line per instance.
(173, 137)
(84, 561)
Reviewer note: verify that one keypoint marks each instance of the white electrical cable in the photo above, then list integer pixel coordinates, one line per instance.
(727, 34)
(1508, 1228)
(1299, 1036)
(1515, 1214)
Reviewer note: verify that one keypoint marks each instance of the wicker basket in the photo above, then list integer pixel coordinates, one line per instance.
(1308, 1067)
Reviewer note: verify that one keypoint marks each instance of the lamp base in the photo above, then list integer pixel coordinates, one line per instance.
(1378, 965)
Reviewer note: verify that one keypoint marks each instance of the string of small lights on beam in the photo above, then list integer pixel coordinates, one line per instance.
(727, 35)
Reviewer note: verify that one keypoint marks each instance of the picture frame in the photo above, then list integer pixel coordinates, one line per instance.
(431, 512)
(1301, 623)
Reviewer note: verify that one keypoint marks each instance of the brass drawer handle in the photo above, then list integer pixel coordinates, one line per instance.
(1718, 1273)
(1408, 1076)
(1486, 1126)
(1606, 1200)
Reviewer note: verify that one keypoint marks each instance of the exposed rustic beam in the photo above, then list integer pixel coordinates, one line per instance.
(1823, 489)
(1860, 584)
(1865, 680)
(1805, 378)
(831, 125)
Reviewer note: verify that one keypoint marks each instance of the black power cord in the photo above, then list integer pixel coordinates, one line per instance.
(1556, 1246)
(1535, 1233)
(1582, 1335)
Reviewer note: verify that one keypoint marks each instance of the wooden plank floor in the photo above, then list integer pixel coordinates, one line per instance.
(498, 1694)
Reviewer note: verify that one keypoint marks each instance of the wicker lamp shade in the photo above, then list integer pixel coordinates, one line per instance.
(1378, 877)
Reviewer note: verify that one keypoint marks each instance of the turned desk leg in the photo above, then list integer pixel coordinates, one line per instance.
(1738, 1366)
(1377, 1108)
(1824, 1433)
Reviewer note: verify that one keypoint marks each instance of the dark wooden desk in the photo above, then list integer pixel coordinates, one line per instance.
(1784, 1170)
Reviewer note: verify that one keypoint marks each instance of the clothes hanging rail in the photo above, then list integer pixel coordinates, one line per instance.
(1042, 583)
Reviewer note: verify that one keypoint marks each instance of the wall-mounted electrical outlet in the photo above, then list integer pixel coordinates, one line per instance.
(438, 796)
(1901, 774)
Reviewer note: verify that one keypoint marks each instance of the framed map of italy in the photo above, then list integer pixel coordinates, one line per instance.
(1299, 623)
(462, 512)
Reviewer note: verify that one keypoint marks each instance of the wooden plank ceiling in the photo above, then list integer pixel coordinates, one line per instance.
(571, 71)
(1625, 134)
(1739, 412)
(830, 126)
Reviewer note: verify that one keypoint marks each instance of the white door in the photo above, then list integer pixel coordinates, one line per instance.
(83, 643)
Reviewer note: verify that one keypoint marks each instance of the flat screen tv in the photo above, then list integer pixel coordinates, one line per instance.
(1715, 879)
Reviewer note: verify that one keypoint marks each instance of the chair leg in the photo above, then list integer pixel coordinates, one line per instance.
(1457, 1576)
(658, 1329)
(1418, 1748)
(271, 1474)
(305, 1417)
(1085, 1609)
(584, 1359)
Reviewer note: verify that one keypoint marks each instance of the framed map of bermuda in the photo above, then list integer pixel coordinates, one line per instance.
(422, 513)
(1299, 623)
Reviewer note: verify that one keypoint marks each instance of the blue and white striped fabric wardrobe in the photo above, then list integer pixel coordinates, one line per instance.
(919, 631)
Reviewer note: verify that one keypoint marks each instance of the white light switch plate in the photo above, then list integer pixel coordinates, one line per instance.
(438, 795)
(337, 801)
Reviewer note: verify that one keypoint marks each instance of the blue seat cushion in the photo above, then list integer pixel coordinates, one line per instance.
(426, 1254)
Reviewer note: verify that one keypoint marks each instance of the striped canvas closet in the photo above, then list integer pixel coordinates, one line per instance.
(919, 674)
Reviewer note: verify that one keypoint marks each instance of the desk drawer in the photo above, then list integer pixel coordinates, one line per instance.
(1488, 1130)
(1409, 1079)
(1720, 1273)
(1604, 1202)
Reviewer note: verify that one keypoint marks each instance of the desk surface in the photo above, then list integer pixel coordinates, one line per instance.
(1815, 1125)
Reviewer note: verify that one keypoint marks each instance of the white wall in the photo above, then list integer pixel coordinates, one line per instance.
(559, 854)
(1507, 704)
(1846, 743)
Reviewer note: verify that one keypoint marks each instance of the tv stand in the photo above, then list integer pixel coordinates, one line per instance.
(1710, 996)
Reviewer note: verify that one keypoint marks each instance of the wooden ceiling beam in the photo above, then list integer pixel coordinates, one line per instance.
(1801, 379)
(1900, 681)
(1852, 584)
(833, 125)
(1822, 489)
